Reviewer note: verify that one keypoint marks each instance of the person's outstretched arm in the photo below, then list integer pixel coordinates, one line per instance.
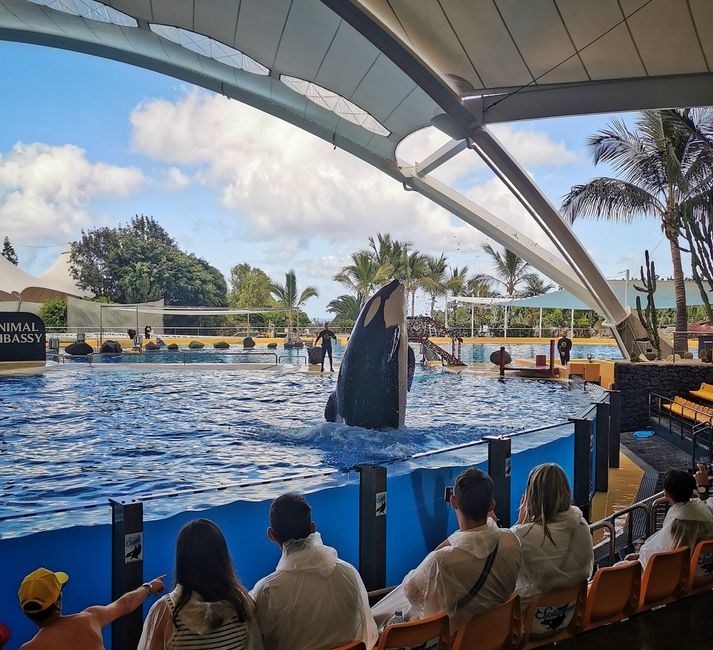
(106, 614)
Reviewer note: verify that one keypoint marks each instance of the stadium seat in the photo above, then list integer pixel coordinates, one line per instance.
(404, 635)
(704, 392)
(665, 578)
(613, 595)
(352, 645)
(554, 616)
(701, 572)
(498, 629)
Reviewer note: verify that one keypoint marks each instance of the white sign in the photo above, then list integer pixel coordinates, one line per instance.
(133, 548)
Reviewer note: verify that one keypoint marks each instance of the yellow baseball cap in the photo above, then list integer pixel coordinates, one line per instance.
(41, 589)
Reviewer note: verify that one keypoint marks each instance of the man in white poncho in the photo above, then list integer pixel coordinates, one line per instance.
(687, 522)
(472, 571)
(314, 600)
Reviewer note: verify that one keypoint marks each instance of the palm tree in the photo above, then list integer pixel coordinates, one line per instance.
(455, 284)
(664, 171)
(344, 307)
(510, 270)
(287, 297)
(535, 285)
(411, 268)
(434, 281)
(386, 251)
(362, 275)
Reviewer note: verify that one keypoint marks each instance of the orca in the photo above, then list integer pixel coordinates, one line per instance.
(377, 366)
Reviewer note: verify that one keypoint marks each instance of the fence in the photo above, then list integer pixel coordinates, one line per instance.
(398, 509)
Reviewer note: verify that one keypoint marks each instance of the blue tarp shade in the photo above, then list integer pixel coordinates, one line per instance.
(664, 296)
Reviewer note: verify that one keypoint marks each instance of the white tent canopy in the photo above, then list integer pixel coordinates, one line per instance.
(55, 282)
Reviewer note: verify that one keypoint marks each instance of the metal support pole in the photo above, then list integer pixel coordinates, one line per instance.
(571, 325)
(472, 321)
(372, 526)
(601, 452)
(101, 325)
(499, 466)
(446, 312)
(127, 567)
(614, 427)
(539, 327)
(505, 322)
(582, 464)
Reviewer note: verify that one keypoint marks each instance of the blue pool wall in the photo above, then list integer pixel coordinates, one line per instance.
(418, 519)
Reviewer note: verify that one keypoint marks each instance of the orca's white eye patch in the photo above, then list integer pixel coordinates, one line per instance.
(394, 307)
(373, 310)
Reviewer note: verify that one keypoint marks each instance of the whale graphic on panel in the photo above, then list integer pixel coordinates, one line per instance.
(378, 364)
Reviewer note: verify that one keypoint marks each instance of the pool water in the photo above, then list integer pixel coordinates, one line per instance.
(80, 434)
(471, 353)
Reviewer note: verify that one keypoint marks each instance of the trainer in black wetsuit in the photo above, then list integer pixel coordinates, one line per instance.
(564, 347)
(326, 335)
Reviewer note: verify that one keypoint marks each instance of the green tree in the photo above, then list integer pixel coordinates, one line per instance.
(411, 268)
(8, 252)
(287, 296)
(140, 262)
(455, 284)
(663, 172)
(54, 313)
(249, 287)
(345, 308)
(510, 270)
(363, 274)
(435, 278)
(535, 285)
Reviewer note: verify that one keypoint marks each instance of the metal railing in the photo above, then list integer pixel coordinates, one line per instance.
(649, 506)
(696, 430)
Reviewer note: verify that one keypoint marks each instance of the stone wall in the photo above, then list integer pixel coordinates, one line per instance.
(637, 380)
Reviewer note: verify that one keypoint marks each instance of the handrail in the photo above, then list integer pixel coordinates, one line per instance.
(229, 354)
(612, 535)
(649, 506)
(289, 356)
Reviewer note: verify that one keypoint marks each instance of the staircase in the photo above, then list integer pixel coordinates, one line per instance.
(420, 328)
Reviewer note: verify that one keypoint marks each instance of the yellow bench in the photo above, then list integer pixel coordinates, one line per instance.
(704, 392)
(689, 410)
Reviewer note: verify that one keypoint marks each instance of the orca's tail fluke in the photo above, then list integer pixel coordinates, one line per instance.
(330, 410)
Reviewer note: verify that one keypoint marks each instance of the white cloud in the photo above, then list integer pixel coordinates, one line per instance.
(46, 191)
(283, 182)
(174, 179)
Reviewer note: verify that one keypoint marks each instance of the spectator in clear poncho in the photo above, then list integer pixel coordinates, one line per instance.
(687, 522)
(472, 571)
(314, 600)
(555, 538)
(208, 608)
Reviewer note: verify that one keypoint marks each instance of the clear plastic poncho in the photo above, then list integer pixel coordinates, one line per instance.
(685, 524)
(313, 601)
(562, 561)
(200, 624)
(441, 582)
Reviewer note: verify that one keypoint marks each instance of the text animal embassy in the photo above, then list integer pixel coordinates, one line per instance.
(20, 333)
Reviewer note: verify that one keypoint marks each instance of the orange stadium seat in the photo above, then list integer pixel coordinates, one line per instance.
(665, 578)
(498, 629)
(352, 645)
(554, 616)
(613, 595)
(701, 571)
(404, 635)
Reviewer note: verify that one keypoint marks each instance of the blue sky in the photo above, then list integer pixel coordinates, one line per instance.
(88, 142)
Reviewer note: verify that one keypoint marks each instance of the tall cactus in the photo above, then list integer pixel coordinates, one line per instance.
(648, 316)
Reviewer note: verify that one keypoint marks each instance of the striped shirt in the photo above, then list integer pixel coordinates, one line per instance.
(232, 634)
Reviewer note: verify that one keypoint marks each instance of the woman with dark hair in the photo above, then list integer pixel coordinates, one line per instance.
(208, 608)
(687, 522)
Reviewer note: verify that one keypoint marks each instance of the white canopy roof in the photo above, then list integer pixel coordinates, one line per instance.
(55, 282)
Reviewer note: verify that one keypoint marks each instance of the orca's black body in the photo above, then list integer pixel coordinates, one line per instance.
(377, 367)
